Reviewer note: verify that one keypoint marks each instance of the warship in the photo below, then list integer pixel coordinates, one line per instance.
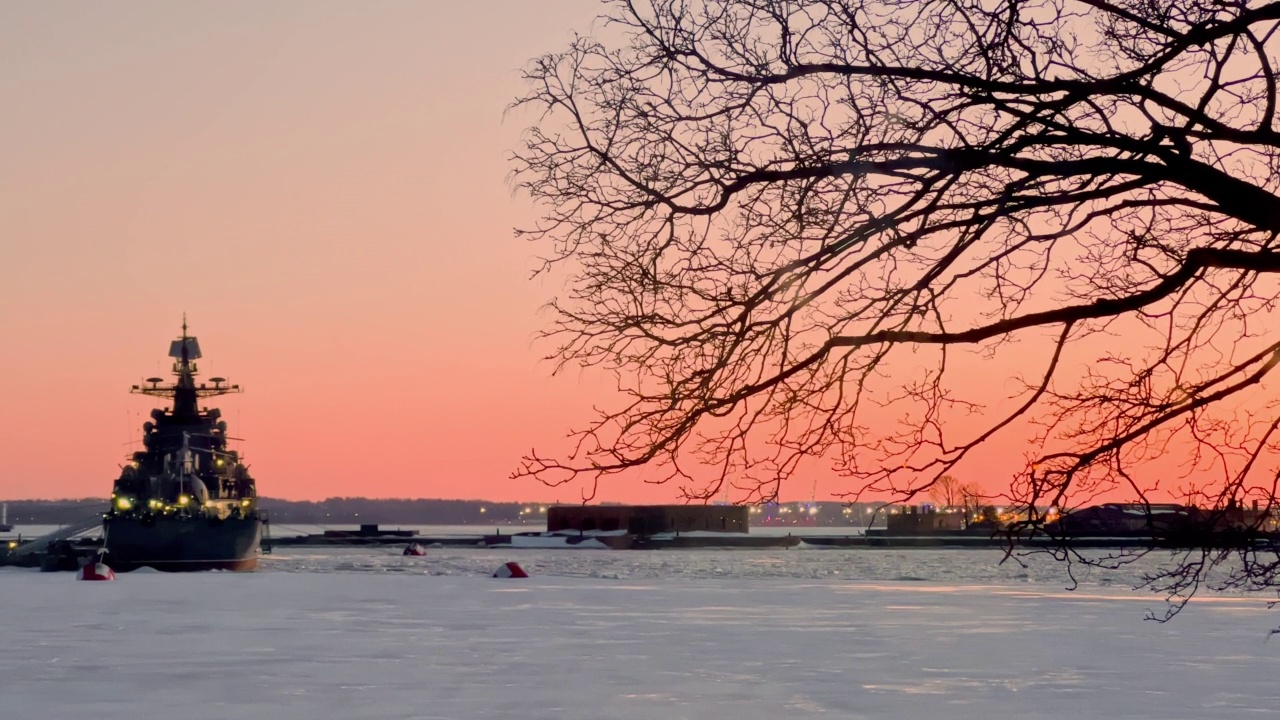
(186, 501)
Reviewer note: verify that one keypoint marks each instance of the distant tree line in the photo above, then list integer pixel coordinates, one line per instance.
(391, 512)
(333, 511)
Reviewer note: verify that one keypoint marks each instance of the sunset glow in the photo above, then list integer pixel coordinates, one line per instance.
(324, 189)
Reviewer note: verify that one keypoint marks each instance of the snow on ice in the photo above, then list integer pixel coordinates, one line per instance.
(377, 635)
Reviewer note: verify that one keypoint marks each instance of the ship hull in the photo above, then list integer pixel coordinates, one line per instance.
(176, 544)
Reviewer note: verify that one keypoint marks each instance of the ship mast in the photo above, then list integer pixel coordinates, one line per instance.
(184, 391)
(184, 395)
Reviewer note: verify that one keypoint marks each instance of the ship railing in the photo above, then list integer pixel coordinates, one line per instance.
(66, 532)
(266, 531)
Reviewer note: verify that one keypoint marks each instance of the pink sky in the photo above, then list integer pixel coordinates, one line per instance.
(323, 188)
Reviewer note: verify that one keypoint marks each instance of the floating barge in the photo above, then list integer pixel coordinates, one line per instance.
(371, 534)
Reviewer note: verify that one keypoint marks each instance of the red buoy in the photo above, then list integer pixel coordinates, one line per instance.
(96, 571)
(510, 570)
(415, 550)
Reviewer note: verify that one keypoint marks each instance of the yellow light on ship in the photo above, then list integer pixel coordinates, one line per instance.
(13, 544)
(124, 503)
(245, 503)
(220, 462)
(183, 500)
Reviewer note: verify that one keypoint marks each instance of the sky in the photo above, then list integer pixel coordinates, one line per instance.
(323, 188)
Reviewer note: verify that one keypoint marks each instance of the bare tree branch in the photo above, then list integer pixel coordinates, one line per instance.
(792, 230)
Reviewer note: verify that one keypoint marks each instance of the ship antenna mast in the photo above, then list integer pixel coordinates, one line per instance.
(184, 347)
(185, 350)
(184, 391)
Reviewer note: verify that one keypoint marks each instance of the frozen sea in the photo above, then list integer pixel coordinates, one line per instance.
(852, 633)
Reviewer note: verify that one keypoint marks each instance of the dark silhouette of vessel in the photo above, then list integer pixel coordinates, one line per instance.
(186, 502)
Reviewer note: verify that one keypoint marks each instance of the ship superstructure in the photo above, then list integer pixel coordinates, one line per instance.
(186, 501)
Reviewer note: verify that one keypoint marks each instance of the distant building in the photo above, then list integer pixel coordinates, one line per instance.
(1123, 519)
(1161, 519)
(648, 519)
(923, 521)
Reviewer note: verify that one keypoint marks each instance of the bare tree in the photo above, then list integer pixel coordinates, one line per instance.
(948, 491)
(786, 223)
(972, 502)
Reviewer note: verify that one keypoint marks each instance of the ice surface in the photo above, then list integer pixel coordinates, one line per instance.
(666, 634)
(966, 566)
(556, 541)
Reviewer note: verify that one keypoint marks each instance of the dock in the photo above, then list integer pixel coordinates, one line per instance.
(67, 547)
(62, 549)
(375, 536)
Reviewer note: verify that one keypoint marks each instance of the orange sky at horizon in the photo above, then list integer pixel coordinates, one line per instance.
(323, 189)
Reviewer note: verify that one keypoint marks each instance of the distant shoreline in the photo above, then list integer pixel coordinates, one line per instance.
(404, 511)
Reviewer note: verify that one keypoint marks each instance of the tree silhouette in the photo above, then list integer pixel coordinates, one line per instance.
(949, 492)
(785, 224)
